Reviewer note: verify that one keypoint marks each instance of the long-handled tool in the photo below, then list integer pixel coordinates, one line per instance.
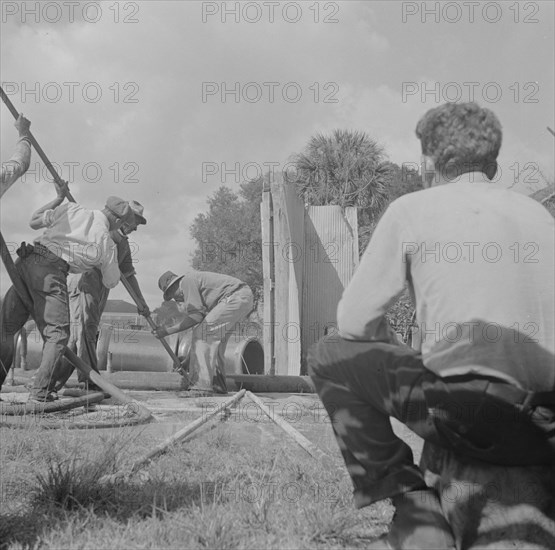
(135, 298)
(35, 144)
(58, 181)
(23, 293)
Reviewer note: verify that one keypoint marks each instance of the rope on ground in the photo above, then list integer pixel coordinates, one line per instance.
(22, 415)
(10, 408)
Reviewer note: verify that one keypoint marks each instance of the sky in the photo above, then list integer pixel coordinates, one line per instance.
(164, 101)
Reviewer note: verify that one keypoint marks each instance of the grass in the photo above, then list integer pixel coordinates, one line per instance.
(237, 485)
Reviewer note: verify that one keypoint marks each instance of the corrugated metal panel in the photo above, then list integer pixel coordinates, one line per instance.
(331, 257)
(315, 256)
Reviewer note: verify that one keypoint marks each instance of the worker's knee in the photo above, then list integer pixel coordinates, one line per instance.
(321, 356)
(57, 334)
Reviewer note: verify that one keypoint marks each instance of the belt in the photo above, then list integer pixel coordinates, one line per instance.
(44, 252)
(526, 398)
(235, 290)
(240, 287)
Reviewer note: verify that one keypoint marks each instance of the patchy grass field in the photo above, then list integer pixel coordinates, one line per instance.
(239, 484)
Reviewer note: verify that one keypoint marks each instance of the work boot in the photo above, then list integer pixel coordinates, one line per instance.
(219, 383)
(43, 397)
(418, 524)
(88, 387)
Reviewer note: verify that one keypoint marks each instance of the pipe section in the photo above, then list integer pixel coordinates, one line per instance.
(140, 350)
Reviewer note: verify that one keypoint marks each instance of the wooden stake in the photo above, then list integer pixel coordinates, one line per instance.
(307, 445)
(266, 216)
(178, 436)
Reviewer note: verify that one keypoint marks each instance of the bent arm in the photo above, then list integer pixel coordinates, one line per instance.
(134, 284)
(188, 322)
(108, 265)
(376, 284)
(39, 219)
(14, 168)
(125, 260)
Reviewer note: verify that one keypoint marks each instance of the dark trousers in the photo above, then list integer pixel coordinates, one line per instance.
(363, 384)
(45, 277)
(87, 300)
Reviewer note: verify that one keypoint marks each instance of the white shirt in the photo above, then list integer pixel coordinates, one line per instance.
(16, 166)
(81, 237)
(479, 262)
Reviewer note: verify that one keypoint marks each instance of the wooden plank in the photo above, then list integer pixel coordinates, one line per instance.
(293, 252)
(313, 450)
(266, 213)
(281, 284)
(287, 343)
(125, 474)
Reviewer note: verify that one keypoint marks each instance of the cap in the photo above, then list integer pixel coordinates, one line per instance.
(166, 281)
(119, 208)
(138, 210)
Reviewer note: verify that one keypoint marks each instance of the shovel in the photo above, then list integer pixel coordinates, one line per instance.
(178, 367)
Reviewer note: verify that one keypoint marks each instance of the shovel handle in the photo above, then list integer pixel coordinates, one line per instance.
(57, 179)
(149, 320)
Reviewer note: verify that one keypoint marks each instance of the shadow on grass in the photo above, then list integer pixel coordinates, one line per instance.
(22, 529)
(53, 510)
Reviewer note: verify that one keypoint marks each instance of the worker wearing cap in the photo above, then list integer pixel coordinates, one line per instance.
(87, 300)
(212, 303)
(19, 163)
(75, 240)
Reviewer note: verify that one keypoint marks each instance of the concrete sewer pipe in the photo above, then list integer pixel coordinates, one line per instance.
(139, 350)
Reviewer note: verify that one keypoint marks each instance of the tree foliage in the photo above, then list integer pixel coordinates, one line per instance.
(400, 180)
(167, 314)
(229, 236)
(347, 168)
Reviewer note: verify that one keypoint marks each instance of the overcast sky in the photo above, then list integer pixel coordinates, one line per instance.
(164, 101)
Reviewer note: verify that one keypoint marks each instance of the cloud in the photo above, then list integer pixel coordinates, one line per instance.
(139, 127)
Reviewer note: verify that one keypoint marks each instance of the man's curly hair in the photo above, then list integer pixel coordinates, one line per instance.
(461, 137)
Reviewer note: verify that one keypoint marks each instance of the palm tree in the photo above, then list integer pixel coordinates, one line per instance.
(347, 168)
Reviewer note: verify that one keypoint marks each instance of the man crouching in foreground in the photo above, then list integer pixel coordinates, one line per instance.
(478, 260)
